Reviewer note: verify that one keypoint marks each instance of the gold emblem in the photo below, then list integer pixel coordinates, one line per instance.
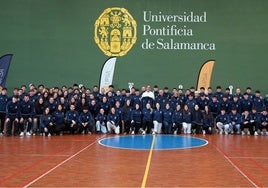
(115, 31)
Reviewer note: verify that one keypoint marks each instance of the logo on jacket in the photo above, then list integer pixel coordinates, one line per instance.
(115, 31)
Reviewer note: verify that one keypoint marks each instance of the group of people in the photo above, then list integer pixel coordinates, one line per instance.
(80, 110)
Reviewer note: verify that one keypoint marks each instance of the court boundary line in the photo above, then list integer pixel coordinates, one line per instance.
(61, 163)
(236, 167)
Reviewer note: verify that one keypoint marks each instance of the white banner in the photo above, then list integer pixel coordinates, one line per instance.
(107, 73)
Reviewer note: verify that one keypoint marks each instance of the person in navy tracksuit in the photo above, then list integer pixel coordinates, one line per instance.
(223, 122)
(113, 122)
(46, 123)
(85, 121)
(127, 109)
(258, 102)
(157, 119)
(167, 118)
(101, 121)
(187, 120)
(197, 119)
(27, 114)
(177, 119)
(208, 121)
(235, 121)
(246, 103)
(136, 118)
(3, 104)
(147, 119)
(59, 120)
(72, 119)
(13, 115)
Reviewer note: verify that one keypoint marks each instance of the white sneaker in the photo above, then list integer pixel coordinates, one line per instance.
(243, 133)
(143, 132)
(248, 133)
(21, 133)
(204, 132)
(132, 132)
(153, 133)
(28, 134)
(175, 132)
(256, 133)
(49, 134)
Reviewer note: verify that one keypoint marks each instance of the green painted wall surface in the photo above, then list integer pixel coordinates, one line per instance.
(53, 43)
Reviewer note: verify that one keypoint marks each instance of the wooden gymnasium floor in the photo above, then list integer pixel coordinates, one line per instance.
(80, 161)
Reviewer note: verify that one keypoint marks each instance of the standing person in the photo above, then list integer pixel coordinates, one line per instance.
(101, 121)
(39, 107)
(196, 117)
(136, 117)
(113, 122)
(27, 114)
(119, 112)
(72, 120)
(147, 119)
(177, 119)
(187, 120)
(214, 106)
(3, 104)
(46, 122)
(147, 97)
(58, 119)
(157, 119)
(258, 102)
(223, 121)
(191, 101)
(13, 115)
(85, 121)
(167, 118)
(127, 109)
(208, 121)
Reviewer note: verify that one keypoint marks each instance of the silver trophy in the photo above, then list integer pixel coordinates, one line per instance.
(130, 85)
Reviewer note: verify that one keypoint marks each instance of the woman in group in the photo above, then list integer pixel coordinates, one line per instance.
(167, 118)
(187, 121)
(208, 121)
(157, 119)
(58, 117)
(136, 118)
(196, 117)
(177, 119)
(47, 124)
(147, 119)
(39, 107)
(127, 109)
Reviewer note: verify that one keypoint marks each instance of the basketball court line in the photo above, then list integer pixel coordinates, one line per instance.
(148, 164)
(61, 163)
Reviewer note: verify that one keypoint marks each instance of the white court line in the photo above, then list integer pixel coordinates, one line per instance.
(243, 174)
(69, 158)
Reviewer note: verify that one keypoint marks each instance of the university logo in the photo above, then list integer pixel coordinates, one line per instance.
(115, 31)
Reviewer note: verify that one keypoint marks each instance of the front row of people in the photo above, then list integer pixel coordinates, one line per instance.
(129, 120)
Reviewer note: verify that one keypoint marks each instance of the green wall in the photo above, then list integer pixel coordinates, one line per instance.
(53, 43)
